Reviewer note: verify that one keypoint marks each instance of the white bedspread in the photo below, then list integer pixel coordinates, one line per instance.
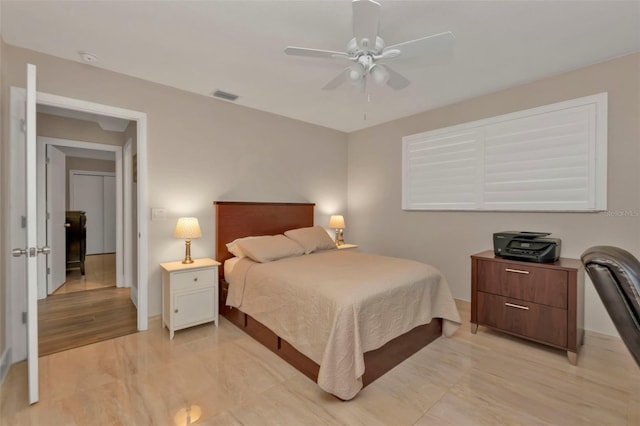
(333, 306)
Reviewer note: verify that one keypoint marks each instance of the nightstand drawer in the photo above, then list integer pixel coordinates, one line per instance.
(190, 279)
(534, 283)
(539, 322)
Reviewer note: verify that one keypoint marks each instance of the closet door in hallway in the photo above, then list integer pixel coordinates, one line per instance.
(95, 193)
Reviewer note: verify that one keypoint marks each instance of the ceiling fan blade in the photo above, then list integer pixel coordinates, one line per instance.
(314, 53)
(366, 16)
(337, 80)
(396, 81)
(428, 46)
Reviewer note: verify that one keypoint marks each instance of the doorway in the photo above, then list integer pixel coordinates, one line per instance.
(63, 199)
(83, 199)
(16, 301)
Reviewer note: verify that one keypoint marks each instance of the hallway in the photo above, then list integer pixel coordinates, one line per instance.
(86, 309)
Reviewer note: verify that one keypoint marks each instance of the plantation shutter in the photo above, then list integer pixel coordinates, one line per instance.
(551, 158)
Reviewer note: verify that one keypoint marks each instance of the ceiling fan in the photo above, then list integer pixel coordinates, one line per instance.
(369, 53)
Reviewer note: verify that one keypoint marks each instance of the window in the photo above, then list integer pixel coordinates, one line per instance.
(551, 158)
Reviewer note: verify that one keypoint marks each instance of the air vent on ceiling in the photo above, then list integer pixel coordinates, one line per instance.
(225, 95)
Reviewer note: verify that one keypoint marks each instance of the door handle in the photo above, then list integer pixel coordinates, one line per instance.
(17, 252)
(31, 252)
(67, 225)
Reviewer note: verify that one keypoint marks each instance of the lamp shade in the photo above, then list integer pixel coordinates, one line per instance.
(336, 222)
(187, 228)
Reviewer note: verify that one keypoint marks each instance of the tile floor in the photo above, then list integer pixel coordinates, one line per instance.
(219, 376)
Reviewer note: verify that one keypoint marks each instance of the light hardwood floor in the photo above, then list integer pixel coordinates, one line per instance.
(86, 309)
(227, 378)
(74, 319)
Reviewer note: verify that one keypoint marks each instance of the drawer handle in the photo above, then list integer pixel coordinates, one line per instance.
(513, 305)
(175, 311)
(517, 271)
(196, 278)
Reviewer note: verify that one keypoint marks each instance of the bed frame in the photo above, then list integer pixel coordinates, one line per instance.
(243, 219)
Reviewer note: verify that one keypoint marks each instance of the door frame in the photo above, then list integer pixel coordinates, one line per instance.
(16, 331)
(117, 150)
(127, 208)
(140, 118)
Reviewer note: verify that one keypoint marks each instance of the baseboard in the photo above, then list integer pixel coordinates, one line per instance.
(134, 296)
(4, 364)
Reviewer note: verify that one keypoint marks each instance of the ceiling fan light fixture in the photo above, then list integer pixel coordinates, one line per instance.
(356, 73)
(360, 84)
(367, 47)
(380, 74)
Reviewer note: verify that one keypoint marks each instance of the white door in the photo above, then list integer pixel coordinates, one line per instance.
(56, 230)
(95, 194)
(86, 195)
(109, 214)
(28, 246)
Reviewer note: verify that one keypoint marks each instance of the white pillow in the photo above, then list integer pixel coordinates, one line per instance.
(234, 249)
(312, 239)
(268, 248)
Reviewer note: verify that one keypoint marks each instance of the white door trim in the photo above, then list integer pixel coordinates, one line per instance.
(15, 230)
(142, 197)
(43, 142)
(127, 190)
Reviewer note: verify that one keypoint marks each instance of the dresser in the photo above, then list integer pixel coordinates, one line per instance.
(543, 302)
(189, 294)
(76, 235)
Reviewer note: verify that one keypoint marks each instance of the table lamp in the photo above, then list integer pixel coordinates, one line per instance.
(337, 222)
(187, 228)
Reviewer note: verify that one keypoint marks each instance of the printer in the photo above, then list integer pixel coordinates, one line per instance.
(526, 246)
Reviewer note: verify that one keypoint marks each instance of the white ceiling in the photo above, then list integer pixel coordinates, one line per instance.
(237, 46)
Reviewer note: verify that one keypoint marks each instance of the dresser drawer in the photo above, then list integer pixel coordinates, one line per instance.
(534, 283)
(190, 279)
(535, 321)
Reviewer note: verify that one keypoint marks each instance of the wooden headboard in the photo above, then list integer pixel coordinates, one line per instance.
(243, 219)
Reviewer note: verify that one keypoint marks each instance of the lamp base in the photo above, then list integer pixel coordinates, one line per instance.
(187, 252)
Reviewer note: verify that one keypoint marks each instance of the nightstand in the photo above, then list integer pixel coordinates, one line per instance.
(189, 294)
(347, 246)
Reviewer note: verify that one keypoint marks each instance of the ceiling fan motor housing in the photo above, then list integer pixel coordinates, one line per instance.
(354, 50)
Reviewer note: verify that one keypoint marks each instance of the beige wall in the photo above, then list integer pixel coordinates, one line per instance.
(201, 149)
(54, 126)
(447, 239)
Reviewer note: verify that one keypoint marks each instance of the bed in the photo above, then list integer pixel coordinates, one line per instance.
(346, 351)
